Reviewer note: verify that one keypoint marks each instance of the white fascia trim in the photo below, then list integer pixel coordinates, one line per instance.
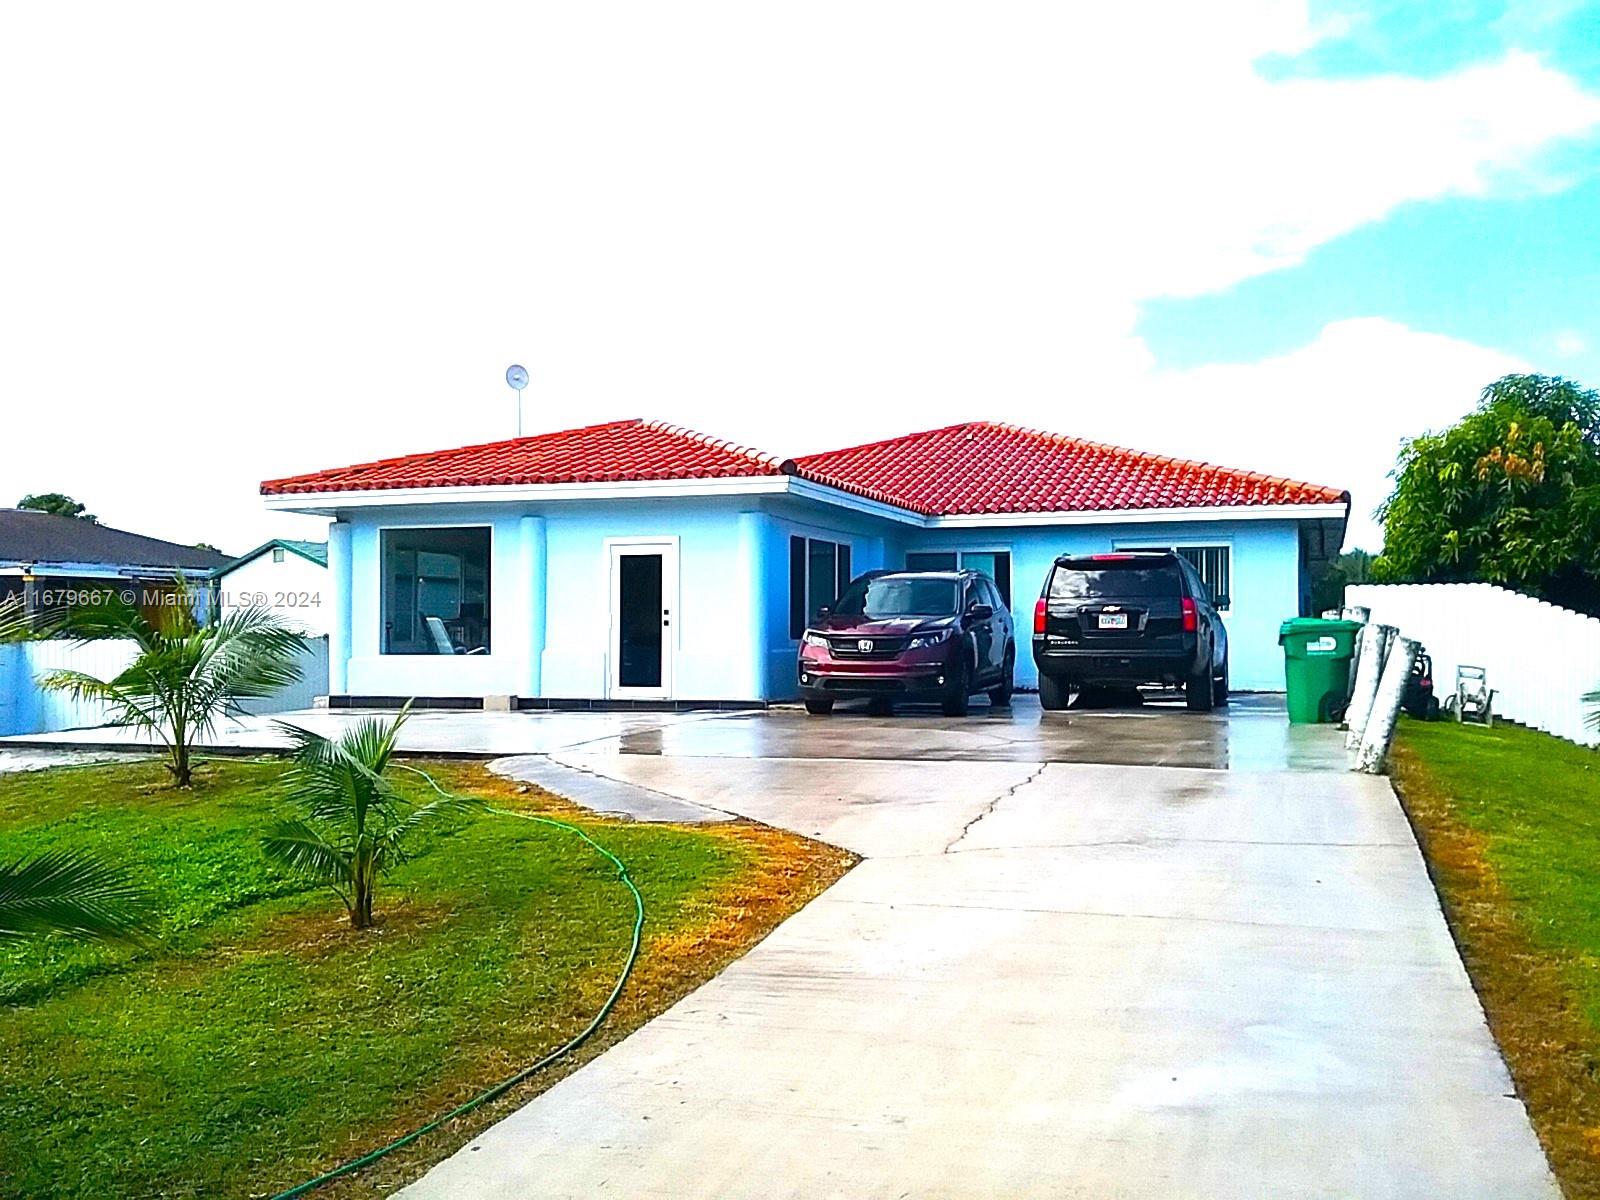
(808, 490)
(1144, 516)
(324, 503)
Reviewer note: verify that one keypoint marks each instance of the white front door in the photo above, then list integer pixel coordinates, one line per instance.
(644, 617)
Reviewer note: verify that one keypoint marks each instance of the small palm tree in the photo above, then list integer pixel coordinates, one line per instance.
(1592, 699)
(185, 676)
(71, 894)
(356, 824)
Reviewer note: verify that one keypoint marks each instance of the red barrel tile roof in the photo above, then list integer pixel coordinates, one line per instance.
(977, 467)
(984, 467)
(618, 450)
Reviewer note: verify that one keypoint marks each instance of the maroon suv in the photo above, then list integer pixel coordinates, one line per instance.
(933, 636)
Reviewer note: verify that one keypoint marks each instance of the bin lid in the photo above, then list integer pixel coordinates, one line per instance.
(1314, 627)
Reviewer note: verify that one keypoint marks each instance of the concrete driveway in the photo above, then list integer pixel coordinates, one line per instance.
(1053, 974)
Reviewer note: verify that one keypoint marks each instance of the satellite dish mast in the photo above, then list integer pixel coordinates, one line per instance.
(517, 377)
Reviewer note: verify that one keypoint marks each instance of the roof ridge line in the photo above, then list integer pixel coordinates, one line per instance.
(716, 443)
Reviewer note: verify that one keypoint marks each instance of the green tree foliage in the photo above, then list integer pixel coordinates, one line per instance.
(60, 504)
(1327, 590)
(1510, 494)
(356, 825)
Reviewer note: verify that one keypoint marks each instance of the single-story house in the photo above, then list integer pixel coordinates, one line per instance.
(51, 561)
(288, 577)
(639, 561)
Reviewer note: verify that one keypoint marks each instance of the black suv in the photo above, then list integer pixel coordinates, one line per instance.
(1129, 618)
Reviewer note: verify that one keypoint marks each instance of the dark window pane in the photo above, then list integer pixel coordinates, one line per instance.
(435, 591)
(842, 579)
(821, 578)
(639, 621)
(1002, 578)
(797, 587)
(996, 564)
(931, 560)
(1214, 565)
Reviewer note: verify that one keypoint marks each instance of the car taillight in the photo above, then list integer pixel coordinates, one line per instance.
(1191, 617)
(1039, 615)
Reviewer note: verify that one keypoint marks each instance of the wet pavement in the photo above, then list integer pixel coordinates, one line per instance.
(1251, 734)
(1054, 977)
(13, 761)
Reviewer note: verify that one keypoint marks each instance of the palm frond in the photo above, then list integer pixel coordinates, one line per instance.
(107, 615)
(72, 894)
(304, 850)
(1592, 717)
(16, 625)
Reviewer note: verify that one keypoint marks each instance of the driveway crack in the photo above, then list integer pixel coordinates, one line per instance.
(988, 808)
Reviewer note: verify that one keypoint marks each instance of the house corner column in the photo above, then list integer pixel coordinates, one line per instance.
(533, 578)
(339, 576)
(753, 563)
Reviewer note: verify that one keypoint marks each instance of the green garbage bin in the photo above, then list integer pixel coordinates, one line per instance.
(1316, 667)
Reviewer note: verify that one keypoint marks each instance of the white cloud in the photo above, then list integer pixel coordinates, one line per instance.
(321, 237)
(1570, 343)
(1333, 412)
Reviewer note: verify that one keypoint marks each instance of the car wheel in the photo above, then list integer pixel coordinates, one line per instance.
(958, 691)
(1198, 692)
(1000, 696)
(1219, 689)
(1053, 693)
(819, 708)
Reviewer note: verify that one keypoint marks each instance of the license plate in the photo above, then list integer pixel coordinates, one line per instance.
(1113, 620)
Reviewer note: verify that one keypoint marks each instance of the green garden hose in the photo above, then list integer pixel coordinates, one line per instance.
(505, 1085)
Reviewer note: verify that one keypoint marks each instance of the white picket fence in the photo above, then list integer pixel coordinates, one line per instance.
(1540, 658)
(27, 708)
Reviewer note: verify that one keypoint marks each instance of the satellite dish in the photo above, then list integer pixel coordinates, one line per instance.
(517, 376)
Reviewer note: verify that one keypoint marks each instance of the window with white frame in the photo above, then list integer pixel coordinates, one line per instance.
(1214, 563)
(818, 571)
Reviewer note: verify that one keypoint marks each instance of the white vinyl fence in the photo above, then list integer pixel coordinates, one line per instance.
(27, 708)
(1540, 658)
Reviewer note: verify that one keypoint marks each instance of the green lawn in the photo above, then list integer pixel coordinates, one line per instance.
(1510, 822)
(261, 1039)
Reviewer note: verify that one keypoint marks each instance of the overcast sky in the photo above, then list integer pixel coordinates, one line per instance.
(248, 242)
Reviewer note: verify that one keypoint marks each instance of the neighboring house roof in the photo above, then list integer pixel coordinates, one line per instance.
(316, 552)
(980, 467)
(984, 467)
(39, 538)
(618, 450)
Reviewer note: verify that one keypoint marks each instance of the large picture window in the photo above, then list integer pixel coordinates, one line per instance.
(435, 591)
(996, 564)
(818, 571)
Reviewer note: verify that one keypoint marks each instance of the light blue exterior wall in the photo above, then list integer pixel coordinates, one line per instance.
(550, 590)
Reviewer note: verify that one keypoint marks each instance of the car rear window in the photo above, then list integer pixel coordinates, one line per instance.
(1114, 581)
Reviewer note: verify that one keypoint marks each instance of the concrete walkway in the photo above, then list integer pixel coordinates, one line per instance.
(1046, 979)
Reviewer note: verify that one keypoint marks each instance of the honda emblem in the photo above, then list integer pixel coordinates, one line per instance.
(864, 645)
